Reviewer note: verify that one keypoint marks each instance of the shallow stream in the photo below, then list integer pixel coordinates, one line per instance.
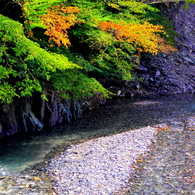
(20, 152)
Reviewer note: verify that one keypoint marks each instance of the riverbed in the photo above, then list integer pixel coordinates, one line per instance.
(121, 115)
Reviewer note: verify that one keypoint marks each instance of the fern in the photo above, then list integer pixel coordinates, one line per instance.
(27, 62)
(62, 43)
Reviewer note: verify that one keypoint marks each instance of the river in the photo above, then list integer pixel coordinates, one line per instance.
(22, 151)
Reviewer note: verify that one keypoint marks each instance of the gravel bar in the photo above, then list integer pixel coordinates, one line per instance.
(100, 166)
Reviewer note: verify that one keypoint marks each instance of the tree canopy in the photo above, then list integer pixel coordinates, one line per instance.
(59, 45)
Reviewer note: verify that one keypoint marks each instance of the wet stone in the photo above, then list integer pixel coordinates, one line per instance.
(176, 177)
(25, 185)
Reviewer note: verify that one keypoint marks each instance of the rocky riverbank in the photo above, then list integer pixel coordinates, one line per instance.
(99, 166)
(170, 167)
(173, 133)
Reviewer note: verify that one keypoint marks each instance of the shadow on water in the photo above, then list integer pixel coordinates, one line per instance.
(20, 152)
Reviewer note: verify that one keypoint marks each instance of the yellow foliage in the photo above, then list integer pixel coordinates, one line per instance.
(58, 20)
(145, 37)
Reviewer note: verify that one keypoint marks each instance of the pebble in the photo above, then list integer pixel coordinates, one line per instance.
(170, 167)
(102, 165)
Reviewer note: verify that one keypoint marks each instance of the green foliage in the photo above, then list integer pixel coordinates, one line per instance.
(110, 57)
(34, 10)
(29, 63)
(74, 84)
(25, 67)
(163, 21)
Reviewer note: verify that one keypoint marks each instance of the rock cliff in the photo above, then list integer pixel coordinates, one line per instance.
(174, 73)
(31, 114)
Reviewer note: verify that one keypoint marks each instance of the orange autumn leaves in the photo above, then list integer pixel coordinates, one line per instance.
(58, 20)
(144, 36)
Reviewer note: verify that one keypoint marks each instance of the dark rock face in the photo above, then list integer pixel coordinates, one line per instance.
(8, 123)
(174, 73)
(183, 19)
(33, 114)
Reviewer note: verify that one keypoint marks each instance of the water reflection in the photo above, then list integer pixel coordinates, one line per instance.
(20, 152)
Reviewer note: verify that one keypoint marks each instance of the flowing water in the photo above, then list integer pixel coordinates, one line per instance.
(20, 152)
